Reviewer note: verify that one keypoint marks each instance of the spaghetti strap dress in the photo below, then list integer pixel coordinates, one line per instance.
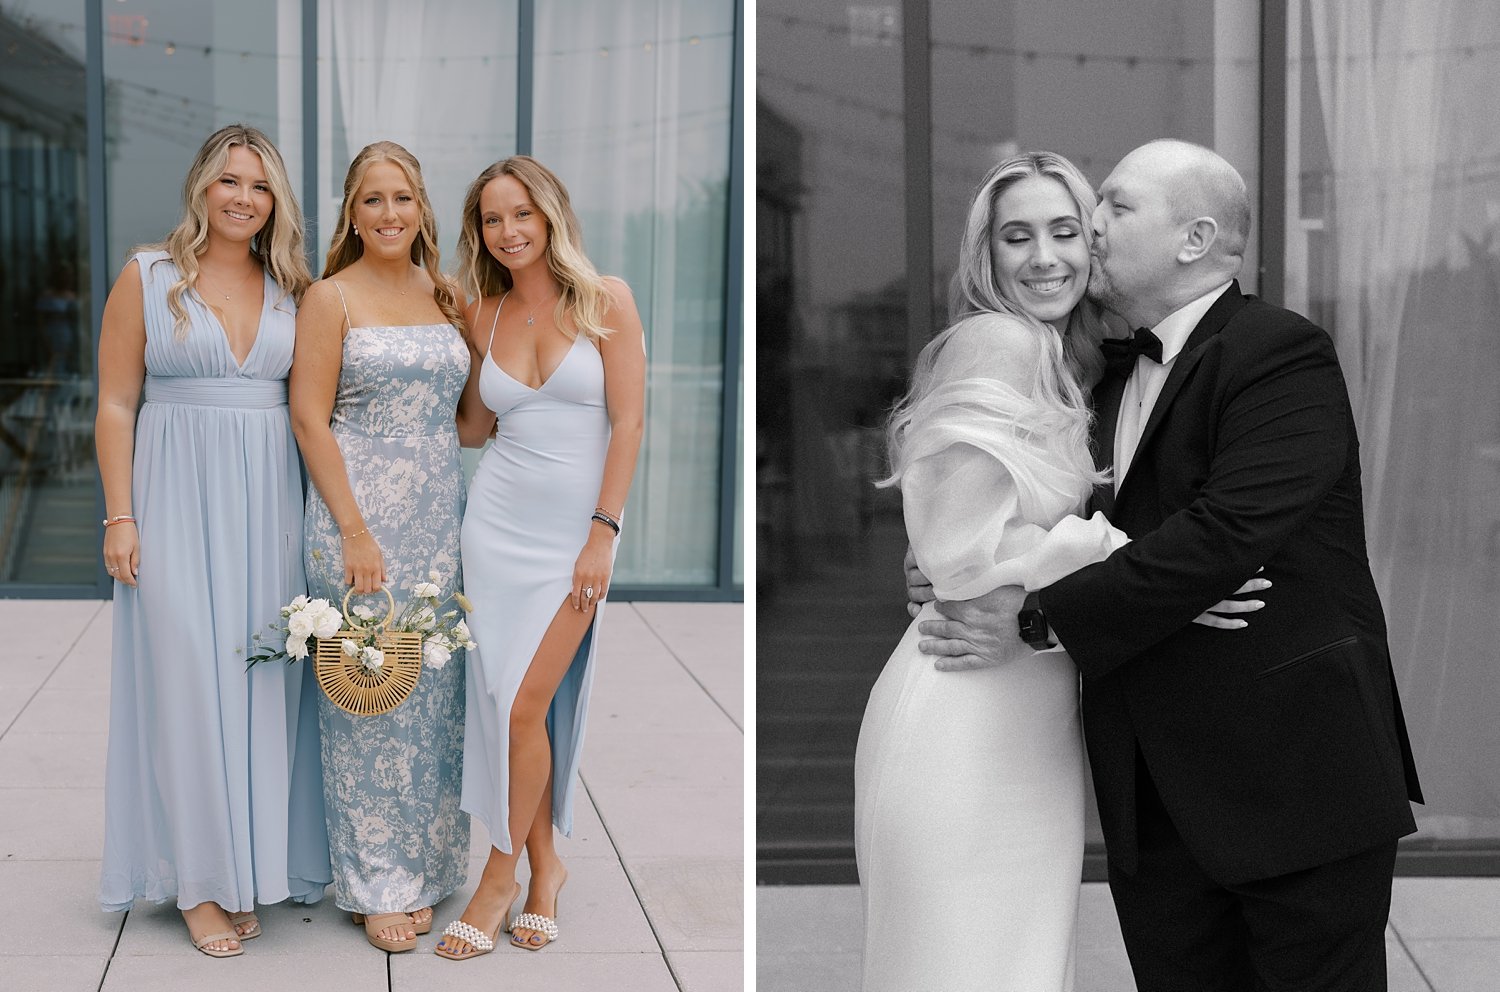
(391, 781)
(212, 785)
(526, 522)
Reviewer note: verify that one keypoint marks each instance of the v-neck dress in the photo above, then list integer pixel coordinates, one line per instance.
(212, 785)
(391, 781)
(527, 520)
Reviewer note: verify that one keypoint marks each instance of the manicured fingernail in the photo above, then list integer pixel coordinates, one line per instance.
(1257, 604)
(1242, 623)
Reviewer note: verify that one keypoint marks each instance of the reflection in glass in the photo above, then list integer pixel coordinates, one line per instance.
(48, 525)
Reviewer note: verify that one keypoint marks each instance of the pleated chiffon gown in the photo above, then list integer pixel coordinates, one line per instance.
(212, 786)
(391, 782)
(527, 520)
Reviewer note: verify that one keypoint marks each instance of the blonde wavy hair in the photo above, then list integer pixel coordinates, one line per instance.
(278, 246)
(585, 299)
(1071, 361)
(347, 248)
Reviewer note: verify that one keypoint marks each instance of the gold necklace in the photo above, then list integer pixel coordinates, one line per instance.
(219, 292)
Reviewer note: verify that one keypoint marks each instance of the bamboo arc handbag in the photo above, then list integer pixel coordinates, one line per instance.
(350, 683)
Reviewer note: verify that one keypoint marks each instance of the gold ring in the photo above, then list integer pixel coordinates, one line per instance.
(588, 591)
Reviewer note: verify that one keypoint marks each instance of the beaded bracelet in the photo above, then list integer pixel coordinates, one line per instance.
(605, 519)
(350, 537)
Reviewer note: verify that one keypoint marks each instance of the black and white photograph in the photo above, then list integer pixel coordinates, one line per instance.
(1127, 440)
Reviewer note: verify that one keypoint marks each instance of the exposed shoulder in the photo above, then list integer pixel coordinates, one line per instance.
(619, 292)
(322, 302)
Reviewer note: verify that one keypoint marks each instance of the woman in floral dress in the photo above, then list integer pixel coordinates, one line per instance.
(380, 364)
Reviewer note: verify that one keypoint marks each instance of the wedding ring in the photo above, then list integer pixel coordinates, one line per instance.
(111, 570)
(588, 591)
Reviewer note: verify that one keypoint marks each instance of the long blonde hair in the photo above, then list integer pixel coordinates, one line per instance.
(278, 246)
(347, 248)
(585, 299)
(1069, 361)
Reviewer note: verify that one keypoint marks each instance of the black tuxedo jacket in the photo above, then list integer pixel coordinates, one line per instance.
(1282, 745)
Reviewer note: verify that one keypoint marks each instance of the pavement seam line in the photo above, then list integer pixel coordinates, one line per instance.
(43, 684)
(1411, 957)
(630, 880)
(119, 935)
(690, 673)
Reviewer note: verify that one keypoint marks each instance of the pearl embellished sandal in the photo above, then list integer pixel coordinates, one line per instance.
(540, 926)
(480, 942)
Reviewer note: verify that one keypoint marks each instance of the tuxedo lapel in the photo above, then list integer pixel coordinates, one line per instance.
(1227, 305)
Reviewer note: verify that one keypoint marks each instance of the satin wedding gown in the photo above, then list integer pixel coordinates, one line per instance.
(969, 786)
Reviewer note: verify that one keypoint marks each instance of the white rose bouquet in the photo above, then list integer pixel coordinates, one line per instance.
(437, 621)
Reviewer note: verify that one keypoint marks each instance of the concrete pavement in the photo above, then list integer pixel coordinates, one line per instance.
(654, 901)
(1444, 936)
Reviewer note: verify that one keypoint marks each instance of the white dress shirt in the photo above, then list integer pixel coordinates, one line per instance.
(1147, 378)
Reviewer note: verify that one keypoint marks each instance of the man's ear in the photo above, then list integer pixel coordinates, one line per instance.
(1198, 239)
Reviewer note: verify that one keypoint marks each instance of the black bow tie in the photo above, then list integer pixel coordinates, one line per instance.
(1120, 353)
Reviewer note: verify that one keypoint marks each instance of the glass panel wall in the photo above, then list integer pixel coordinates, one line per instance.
(436, 76)
(1392, 213)
(48, 520)
(831, 343)
(632, 112)
(631, 105)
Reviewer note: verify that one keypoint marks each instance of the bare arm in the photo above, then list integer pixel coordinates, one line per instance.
(624, 354)
(312, 388)
(475, 420)
(122, 370)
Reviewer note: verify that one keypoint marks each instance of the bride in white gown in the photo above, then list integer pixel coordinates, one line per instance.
(969, 791)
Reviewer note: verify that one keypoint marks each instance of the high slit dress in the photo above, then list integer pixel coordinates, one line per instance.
(528, 517)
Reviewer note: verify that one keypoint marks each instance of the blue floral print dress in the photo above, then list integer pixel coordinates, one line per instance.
(391, 782)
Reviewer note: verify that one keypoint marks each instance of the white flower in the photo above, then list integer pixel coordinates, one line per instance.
(425, 619)
(434, 653)
(328, 622)
(296, 647)
(372, 657)
(300, 624)
(461, 635)
(297, 603)
(426, 590)
(351, 648)
(363, 612)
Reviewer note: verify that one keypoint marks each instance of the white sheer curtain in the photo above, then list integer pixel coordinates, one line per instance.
(632, 112)
(437, 76)
(1406, 93)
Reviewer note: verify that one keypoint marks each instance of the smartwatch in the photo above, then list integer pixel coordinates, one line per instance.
(1033, 623)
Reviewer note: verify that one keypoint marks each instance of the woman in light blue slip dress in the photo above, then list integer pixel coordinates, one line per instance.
(381, 362)
(212, 790)
(559, 371)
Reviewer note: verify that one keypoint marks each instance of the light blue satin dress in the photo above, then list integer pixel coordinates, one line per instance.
(391, 782)
(527, 520)
(212, 788)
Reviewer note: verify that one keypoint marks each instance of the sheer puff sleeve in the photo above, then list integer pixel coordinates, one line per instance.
(988, 501)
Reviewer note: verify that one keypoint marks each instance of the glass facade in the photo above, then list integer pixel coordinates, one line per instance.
(648, 169)
(1390, 209)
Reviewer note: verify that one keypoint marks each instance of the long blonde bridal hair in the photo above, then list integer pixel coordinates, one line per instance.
(585, 299)
(1070, 360)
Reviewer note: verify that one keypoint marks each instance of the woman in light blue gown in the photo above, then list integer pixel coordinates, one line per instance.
(212, 792)
(381, 362)
(559, 372)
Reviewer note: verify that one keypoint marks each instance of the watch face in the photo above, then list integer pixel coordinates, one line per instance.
(1033, 626)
